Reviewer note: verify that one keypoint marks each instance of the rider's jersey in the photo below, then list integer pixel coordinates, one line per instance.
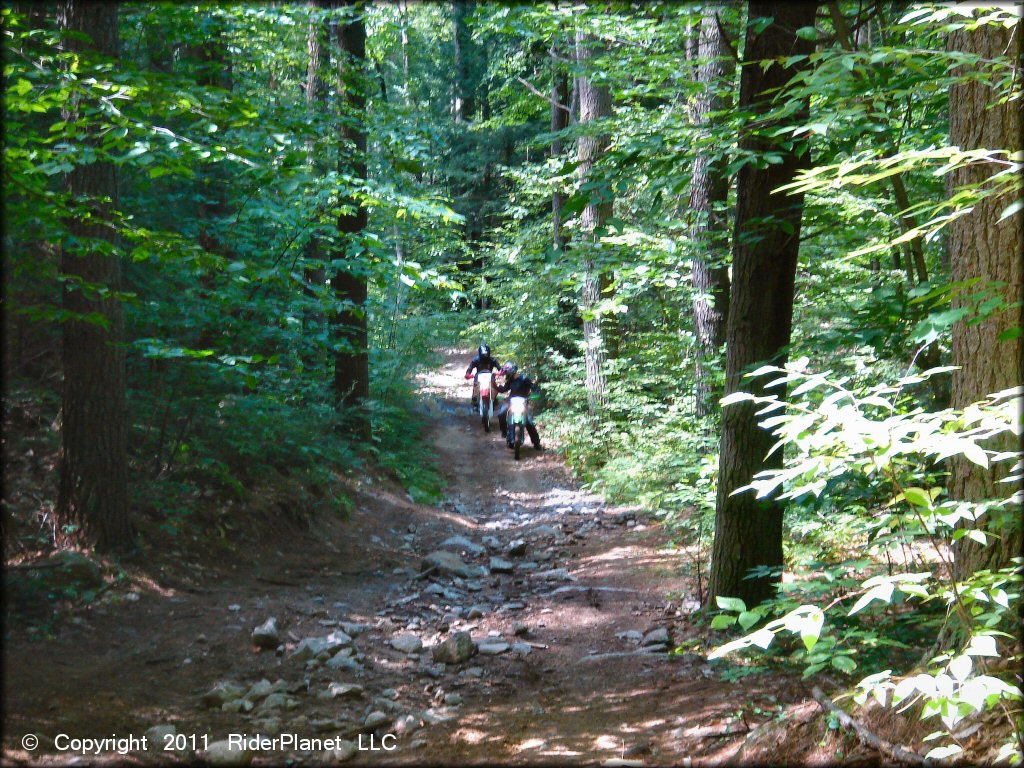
(485, 363)
(521, 386)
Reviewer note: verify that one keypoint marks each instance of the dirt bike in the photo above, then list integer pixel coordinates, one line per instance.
(518, 412)
(485, 400)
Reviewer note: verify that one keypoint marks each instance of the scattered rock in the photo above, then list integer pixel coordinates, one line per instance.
(157, 735)
(497, 565)
(222, 753)
(449, 562)
(343, 751)
(493, 648)
(492, 542)
(407, 643)
(353, 629)
(555, 574)
(476, 612)
(259, 690)
(631, 635)
(453, 699)
(406, 725)
(457, 543)
(274, 701)
(524, 649)
(455, 649)
(341, 691)
(344, 660)
(236, 706)
(520, 630)
(516, 548)
(221, 693)
(312, 647)
(657, 636)
(375, 719)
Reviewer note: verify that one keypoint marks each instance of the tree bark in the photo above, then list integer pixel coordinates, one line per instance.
(982, 247)
(351, 364)
(314, 273)
(748, 531)
(462, 103)
(709, 191)
(595, 103)
(559, 122)
(93, 461)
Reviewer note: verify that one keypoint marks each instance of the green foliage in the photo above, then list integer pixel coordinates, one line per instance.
(837, 435)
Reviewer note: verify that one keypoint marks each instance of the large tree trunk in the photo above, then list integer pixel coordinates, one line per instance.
(748, 531)
(93, 457)
(351, 365)
(709, 190)
(595, 103)
(981, 246)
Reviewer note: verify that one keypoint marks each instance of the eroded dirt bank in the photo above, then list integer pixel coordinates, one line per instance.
(572, 605)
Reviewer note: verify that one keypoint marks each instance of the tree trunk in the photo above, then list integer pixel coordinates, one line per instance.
(314, 274)
(595, 103)
(748, 531)
(982, 247)
(462, 102)
(559, 122)
(351, 364)
(93, 456)
(709, 191)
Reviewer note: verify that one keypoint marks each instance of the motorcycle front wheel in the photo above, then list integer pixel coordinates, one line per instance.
(520, 429)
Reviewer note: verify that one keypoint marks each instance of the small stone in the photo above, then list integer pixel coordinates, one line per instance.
(375, 719)
(223, 753)
(453, 699)
(472, 672)
(344, 691)
(455, 649)
(274, 701)
(407, 643)
(344, 660)
(259, 690)
(516, 548)
(389, 693)
(459, 543)
(476, 612)
(491, 542)
(523, 649)
(313, 647)
(443, 561)
(157, 735)
(238, 705)
(235, 607)
(406, 725)
(493, 648)
(266, 635)
(222, 692)
(497, 565)
(343, 751)
(353, 629)
(520, 630)
(555, 574)
(657, 636)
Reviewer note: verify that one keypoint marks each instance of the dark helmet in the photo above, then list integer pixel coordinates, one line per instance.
(510, 368)
(484, 350)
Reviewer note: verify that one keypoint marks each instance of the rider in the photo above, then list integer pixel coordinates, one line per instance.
(519, 385)
(482, 362)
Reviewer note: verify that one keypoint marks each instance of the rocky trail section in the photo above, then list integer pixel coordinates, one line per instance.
(521, 621)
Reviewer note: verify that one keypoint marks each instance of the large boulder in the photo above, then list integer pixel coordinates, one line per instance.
(455, 649)
(449, 562)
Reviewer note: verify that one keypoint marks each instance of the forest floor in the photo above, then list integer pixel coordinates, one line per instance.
(561, 682)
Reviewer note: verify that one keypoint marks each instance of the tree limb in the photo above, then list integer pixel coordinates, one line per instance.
(866, 737)
(533, 89)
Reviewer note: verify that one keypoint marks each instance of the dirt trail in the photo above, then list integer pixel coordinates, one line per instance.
(581, 692)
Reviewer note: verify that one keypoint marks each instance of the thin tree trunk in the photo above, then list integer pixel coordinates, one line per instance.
(93, 462)
(559, 122)
(983, 247)
(315, 273)
(709, 190)
(351, 364)
(595, 103)
(748, 531)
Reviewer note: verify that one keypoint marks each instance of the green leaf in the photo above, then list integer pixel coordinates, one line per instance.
(918, 497)
(844, 664)
(723, 621)
(731, 604)
(747, 619)
(1011, 209)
